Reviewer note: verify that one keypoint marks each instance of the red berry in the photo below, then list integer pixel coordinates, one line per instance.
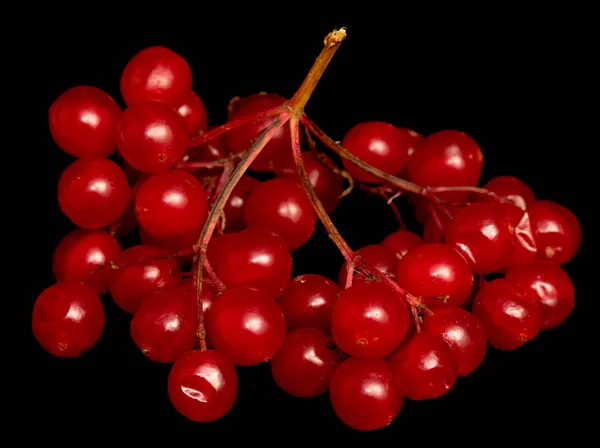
(203, 385)
(281, 205)
(171, 204)
(156, 73)
(379, 144)
(549, 286)
(557, 231)
(68, 319)
(369, 320)
(378, 256)
(183, 243)
(514, 190)
(482, 234)
(435, 271)
(413, 141)
(364, 395)
(127, 222)
(93, 192)
(247, 325)
(194, 113)
(83, 252)
(214, 149)
(402, 241)
(509, 320)
(83, 121)
(424, 367)
(307, 302)
(524, 245)
(152, 136)
(305, 362)
(236, 204)
(462, 331)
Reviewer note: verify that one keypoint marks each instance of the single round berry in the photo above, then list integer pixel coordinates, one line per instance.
(156, 73)
(369, 320)
(307, 302)
(424, 367)
(180, 244)
(549, 286)
(524, 245)
(171, 204)
(436, 272)
(152, 136)
(364, 395)
(194, 113)
(512, 189)
(381, 145)
(93, 192)
(83, 121)
(462, 331)
(247, 325)
(281, 205)
(305, 362)
(378, 256)
(402, 241)
(203, 385)
(236, 204)
(68, 319)
(81, 255)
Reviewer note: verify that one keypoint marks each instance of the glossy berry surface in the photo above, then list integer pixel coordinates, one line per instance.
(156, 73)
(369, 320)
(246, 325)
(214, 149)
(171, 204)
(68, 319)
(81, 253)
(93, 192)
(152, 136)
(203, 385)
(413, 140)
(513, 190)
(402, 241)
(364, 395)
(236, 204)
(194, 113)
(304, 364)
(174, 245)
(83, 121)
(424, 367)
(524, 245)
(307, 302)
(380, 257)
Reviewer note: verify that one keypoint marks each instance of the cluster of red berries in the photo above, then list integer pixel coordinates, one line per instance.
(406, 317)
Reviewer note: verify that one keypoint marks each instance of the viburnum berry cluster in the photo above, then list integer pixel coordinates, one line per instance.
(405, 318)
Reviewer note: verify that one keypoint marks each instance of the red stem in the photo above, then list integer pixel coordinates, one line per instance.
(201, 165)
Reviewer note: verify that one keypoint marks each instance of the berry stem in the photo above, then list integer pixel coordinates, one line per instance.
(389, 199)
(200, 165)
(223, 179)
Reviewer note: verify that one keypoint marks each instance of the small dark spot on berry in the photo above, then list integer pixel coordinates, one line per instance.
(62, 346)
(162, 157)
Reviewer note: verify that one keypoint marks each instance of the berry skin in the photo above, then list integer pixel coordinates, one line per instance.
(413, 141)
(402, 241)
(514, 190)
(83, 252)
(364, 395)
(524, 245)
(378, 256)
(203, 385)
(369, 320)
(127, 222)
(436, 272)
(509, 320)
(68, 319)
(557, 231)
(281, 205)
(171, 204)
(194, 113)
(131, 284)
(214, 149)
(93, 192)
(246, 325)
(175, 244)
(236, 204)
(152, 136)
(549, 286)
(379, 144)
(462, 331)
(305, 362)
(424, 367)
(307, 302)
(156, 74)
(83, 121)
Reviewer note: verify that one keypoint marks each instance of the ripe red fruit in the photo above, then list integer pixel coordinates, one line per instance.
(183, 243)
(83, 252)
(203, 385)
(281, 205)
(68, 319)
(514, 190)
(83, 121)
(305, 362)
(127, 222)
(214, 149)
(413, 141)
(378, 256)
(549, 286)
(194, 113)
(509, 320)
(307, 302)
(424, 367)
(156, 73)
(236, 204)
(93, 192)
(246, 325)
(462, 331)
(171, 204)
(369, 320)
(402, 241)
(524, 245)
(152, 136)
(435, 271)
(364, 395)
(379, 144)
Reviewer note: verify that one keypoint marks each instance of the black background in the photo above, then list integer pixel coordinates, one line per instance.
(516, 83)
